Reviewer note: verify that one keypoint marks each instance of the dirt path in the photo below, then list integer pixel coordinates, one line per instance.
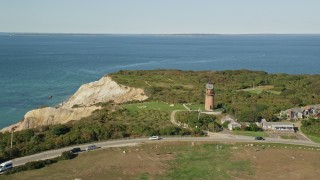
(173, 118)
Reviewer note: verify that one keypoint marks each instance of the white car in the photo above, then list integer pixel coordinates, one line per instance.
(154, 138)
(5, 166)
(91, 147)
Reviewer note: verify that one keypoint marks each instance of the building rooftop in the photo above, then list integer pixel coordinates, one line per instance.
(278, 123)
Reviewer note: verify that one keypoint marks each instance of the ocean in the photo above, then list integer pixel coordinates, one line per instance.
(34, 67)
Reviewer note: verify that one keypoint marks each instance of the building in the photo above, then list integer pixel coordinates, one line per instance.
(300, 112)
(209, 97)
(277, 126)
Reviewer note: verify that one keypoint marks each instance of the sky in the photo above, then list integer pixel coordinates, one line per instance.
(161, 16)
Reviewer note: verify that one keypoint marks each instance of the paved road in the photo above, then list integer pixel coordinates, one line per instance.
(213, 137)
(57, 152)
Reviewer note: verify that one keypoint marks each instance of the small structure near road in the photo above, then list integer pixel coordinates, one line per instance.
(277, 126)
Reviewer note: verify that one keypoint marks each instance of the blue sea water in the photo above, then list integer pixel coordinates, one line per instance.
(34, 67)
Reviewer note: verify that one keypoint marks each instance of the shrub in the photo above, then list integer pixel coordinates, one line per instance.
(60, 129)
(67, 155)
(35, 165)
(225, 124)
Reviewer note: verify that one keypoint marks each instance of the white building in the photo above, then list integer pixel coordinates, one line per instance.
(277, 126)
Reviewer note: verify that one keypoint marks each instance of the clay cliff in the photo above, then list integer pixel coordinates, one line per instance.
(80, 105)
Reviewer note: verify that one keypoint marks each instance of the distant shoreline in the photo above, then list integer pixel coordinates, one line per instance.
(151, 34)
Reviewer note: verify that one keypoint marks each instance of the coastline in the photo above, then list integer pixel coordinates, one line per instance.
(58, 65)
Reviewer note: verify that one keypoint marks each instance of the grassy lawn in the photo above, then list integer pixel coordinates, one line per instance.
(311, 137)
(314, 138)
(260, 89)
(201, 107)
(196, 106)
(153, 106)
(150, 161)
(184, 160)
(250, 133)
(208, 162)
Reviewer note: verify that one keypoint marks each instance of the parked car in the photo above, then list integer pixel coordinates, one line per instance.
(154, 138)
(259, 138)
(91, 147)
(5, 166)
(75, 150)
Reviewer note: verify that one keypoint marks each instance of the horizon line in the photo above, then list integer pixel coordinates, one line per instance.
(177, 34)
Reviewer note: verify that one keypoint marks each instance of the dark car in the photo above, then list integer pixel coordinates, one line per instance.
(75, 150)
(259, 138)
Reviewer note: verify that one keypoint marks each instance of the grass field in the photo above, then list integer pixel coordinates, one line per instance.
(196, 106)
(260, 89)
(186, 160)
(208, 161)
(250, 133)
(314, 138)
(311, 137)
(161, 106)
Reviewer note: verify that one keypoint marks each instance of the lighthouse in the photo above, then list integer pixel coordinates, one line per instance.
(209, 97)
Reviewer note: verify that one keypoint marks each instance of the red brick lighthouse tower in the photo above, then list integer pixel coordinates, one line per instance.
(209, 97)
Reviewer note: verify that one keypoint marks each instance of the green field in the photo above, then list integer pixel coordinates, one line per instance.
(208, 161)
(311, 137)
(260, 89)
(314, 138)
(160, 106)
(185, 160)
(196, 106)
(149, 161)
(250, 133)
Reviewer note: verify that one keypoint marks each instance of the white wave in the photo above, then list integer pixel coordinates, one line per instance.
(133, 65)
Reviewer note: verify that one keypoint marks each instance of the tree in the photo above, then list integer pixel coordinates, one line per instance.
(225, 124)
(253, 127)
(60, 129)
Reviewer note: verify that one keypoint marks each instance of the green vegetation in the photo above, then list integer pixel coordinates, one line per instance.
(199, 121)
(158, 106)
(250, 133)
(208, 161)
(196, 106)
(184, 160)
(165, 87)
(314, 138)
(225, 124)
(311, 128)
(260, 89)
(278, 91)
(111, 122)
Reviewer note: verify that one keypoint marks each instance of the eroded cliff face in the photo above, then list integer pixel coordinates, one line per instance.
(81, 104)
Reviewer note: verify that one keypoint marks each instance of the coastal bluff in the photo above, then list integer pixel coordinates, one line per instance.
(81, 104)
